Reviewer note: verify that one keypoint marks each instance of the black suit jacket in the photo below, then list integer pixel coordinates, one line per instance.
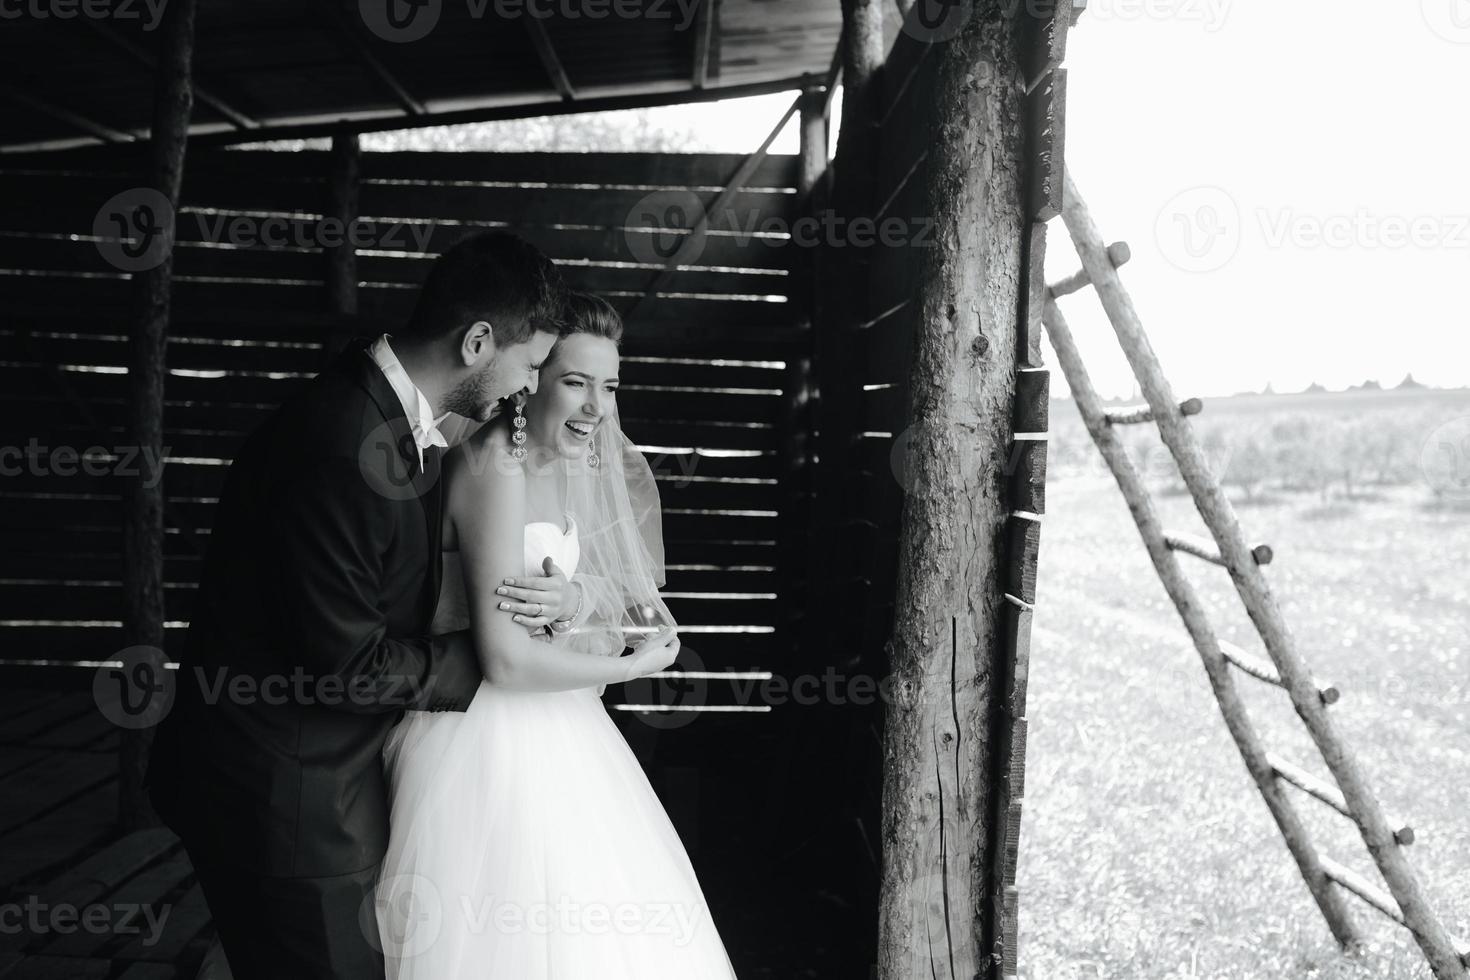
(310, 636)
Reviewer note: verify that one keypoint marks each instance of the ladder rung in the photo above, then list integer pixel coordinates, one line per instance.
(1200, 548)
(1118, 252)
(1322, 790)
(1264, 670)
(1363, 888)
(1142, 413)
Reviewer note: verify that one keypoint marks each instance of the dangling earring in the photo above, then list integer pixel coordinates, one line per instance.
(593, 460)
(518, 451)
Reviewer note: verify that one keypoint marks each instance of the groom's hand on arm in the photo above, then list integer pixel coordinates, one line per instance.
(333, 531)
(536, 601)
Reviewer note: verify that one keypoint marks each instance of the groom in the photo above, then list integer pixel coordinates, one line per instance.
(311, 632)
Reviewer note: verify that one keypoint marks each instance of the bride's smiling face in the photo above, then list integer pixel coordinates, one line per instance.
(576, 393)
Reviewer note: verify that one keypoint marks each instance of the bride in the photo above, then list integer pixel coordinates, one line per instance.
(526, 842)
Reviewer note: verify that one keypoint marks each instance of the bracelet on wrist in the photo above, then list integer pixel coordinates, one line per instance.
(565, 625)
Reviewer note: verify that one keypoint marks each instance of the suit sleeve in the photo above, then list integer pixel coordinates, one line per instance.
(334, 530)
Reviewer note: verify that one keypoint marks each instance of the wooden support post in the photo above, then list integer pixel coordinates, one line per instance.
(813, 152)
(943, 771)
(142, 572)
(1255, 593)
(341, 257)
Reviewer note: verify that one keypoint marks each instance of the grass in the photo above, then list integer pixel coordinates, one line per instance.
(1147, 852)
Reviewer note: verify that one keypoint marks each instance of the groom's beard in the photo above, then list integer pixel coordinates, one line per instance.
(474, 397)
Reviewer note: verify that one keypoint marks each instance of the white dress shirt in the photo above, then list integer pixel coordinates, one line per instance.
(420, 413)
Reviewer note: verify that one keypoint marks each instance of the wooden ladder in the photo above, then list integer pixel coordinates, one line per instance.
(1349, 793)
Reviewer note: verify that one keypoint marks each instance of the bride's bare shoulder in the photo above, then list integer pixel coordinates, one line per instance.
(485, 455)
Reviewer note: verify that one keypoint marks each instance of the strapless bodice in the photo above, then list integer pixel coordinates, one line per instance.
(542, 539)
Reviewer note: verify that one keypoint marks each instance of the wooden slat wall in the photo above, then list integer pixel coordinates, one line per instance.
(703, 371)
(887, 329)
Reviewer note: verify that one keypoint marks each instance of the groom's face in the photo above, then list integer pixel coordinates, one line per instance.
(500, 373)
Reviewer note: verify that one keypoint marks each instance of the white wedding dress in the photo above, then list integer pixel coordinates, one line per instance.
(526, 841)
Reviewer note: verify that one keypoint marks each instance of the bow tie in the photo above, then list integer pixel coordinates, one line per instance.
(426, 436)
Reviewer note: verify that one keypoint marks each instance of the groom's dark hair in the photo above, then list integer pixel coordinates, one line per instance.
(493, 276)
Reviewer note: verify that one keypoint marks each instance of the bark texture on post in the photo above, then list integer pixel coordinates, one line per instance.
(940, 764)
(144, 525)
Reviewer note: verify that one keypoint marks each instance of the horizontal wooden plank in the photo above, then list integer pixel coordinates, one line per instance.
(598, 206)
(197, 258)
(94, 522)
(48, 338)
(195, 299)
(62, 347)
(58, 477)
(651, 169)
(743, 247)
(644, 168)
(885, 409)
(212, 196)
(182, 387)
(713, 580)
(723, 612)
(78, 563)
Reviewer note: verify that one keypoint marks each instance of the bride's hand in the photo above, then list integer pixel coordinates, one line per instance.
(654, 654)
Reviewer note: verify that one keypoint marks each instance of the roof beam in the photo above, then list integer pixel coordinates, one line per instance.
(237, 119)
(351, 33)
(546, 51)
(705, 25)
(76, 120)
(518, 110)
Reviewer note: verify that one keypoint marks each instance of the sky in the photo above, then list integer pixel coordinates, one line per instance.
(1293, 179)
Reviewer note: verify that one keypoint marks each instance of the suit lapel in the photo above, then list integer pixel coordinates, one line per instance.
(432, 499)
(360, 365)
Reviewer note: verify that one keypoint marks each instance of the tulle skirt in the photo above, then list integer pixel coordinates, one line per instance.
(527, 844)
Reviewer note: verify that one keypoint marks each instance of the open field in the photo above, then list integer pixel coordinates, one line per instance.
(1147, 852)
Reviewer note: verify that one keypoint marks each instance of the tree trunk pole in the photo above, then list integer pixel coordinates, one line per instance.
(941, 769)
(143, 531)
